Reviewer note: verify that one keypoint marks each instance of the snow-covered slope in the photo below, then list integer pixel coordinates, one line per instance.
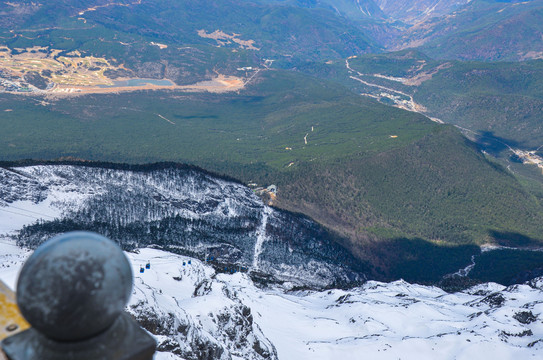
(180, 209)
(197, 313)
(211, 310)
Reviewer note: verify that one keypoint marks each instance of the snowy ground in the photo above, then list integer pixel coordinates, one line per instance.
(195, 313)
(11, 259)
(193, 306)
(175, 207)
(376, 321)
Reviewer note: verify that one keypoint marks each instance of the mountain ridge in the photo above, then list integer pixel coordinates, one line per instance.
(196, 313)
(179, 209)
(482, 30)
(182, 210)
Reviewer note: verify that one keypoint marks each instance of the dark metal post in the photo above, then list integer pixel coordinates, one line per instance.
(72, 291)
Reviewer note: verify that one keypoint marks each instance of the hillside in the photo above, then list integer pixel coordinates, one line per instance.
(416, 11)
(485, 30)
(223, 30)
(234, 33)
(438, 188)
(195, 312)
(500, 103)
(504, 100)
(177, 208)
(210, 83)
(105, 46)
(350, 9)
(365, 170)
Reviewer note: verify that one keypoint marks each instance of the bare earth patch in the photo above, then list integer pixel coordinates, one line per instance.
(223, 38)
(94, 8)
(219, 84)
(161, 46)
(74, 68)
(77, 74)
(532, 55)
(424, 76)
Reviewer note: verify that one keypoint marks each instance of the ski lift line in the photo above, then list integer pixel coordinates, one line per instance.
(16, 213)
(30, 211)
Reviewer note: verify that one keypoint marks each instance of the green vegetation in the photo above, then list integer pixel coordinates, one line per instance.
(486, 30)
(368, 171)
(439, 187)
(407, 195)
(397, 64)
(503, 100)
(254, 127)
(184, 65)
(279, 32)
(502, 103)
(416, 260)
(508, 266)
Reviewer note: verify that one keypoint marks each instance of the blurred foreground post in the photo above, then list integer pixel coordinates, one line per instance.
(11, 320)
(72, 291)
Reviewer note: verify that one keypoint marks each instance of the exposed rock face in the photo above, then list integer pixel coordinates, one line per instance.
(525, 317)
(194, 315)
(205, 315)
(195, 312)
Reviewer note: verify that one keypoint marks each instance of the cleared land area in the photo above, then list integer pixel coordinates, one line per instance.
(74, 73)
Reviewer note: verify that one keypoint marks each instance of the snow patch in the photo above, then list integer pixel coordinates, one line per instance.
(228, 315)
(261, 235)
